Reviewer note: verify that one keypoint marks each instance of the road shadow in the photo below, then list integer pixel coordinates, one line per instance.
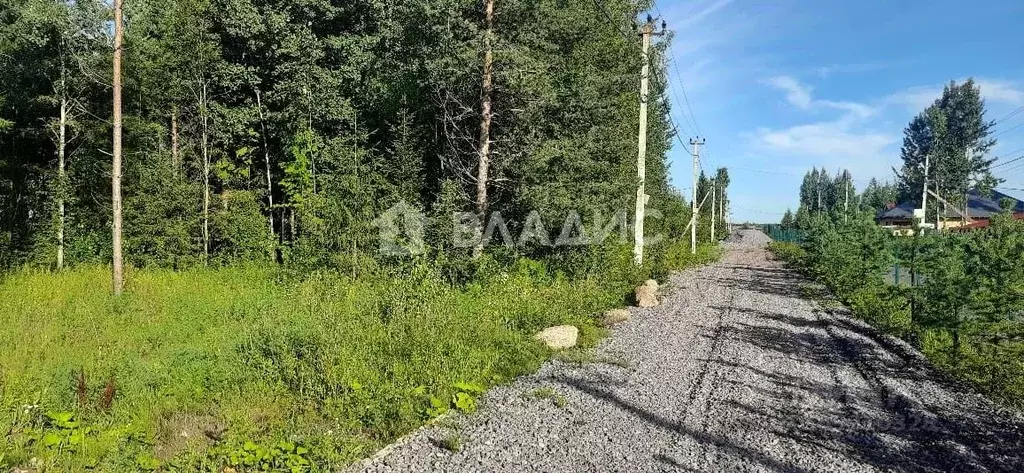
(773, 281)
(723, 444)
(889, 420)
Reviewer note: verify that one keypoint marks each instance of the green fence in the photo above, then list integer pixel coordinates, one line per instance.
(780, 233)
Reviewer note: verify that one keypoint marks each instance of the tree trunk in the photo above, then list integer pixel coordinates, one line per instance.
(484, 154)
(61, 174)
(175, 157)
(62, 140)
(266, 160)
(204, 143)
(291, 222)
(115, 172)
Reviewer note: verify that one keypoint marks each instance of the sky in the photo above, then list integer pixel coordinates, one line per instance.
(778, 87)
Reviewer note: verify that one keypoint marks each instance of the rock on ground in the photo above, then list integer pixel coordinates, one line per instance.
(645, 296)
(559, 337)
(614, 316)
(733, 373)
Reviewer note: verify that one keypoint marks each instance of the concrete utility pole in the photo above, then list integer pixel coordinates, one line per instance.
(924, 189)
(696, 144)
(641, 159)
(714, 194)
(115, 170)
(817, 185)
(721, 213)
(846, 198)
(484, 152)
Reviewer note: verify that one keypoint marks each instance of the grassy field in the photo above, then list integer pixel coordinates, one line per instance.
(264, 370)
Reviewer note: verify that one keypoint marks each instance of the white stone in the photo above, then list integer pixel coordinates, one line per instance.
(646, 296)
(614, 316)
(559, 337)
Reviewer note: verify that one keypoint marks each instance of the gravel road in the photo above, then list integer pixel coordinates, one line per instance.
(734, 371)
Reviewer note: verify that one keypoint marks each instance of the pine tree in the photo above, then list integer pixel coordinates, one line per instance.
(957, 145)
(787, 219)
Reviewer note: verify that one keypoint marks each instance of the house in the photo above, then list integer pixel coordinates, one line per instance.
(980, 208)
(984, 223)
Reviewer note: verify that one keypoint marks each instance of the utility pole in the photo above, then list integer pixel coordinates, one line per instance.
(484, 152)
(696, 144)
(721, 213)
(714, 193)
(115, 171)
(641, 159)
(846, 198)
(924, 189)
(817, 185)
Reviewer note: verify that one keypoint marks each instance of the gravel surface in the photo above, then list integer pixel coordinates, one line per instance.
(734, 371)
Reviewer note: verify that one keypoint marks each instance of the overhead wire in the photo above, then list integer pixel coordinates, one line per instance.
(1001, 133)
(686, 99)
(656, 71)
(1008, 116)
(1012, 169)
(1004, 163)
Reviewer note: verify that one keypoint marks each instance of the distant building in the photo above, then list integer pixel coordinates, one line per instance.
(980, 209)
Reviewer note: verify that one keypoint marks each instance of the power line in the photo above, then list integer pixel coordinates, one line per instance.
(793, 174)
(656, 71)
(679, 77)
(692, 129)
(765, 212)
(1008, 129)
(668, 82)
(1004, 163)
(682, 87)
(1012, 169)
(1008, 116)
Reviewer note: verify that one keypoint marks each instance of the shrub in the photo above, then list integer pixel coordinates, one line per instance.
(790, 253)
(334, 363)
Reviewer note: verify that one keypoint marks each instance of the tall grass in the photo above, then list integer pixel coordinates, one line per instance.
(250, 366)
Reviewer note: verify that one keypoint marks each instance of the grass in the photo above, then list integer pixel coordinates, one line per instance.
(452, 443)
(200, 369)
(549, 393)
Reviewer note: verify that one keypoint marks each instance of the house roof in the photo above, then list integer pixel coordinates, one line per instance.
(978, 206)
(985, 223)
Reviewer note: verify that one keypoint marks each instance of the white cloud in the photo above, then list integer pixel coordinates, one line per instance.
(1000, 91)
(858, 110)
(800, 96)
(796, 93)
(824, 140)
(704, 12)
(844, 141)
(915, 99)
(919, 98)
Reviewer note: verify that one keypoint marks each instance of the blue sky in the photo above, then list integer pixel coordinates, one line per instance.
(779, 86)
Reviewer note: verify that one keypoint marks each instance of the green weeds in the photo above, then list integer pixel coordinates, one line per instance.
(207, 368)
(548, 393)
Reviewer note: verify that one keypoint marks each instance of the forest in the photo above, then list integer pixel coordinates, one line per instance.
(964, 301)
(236, 154)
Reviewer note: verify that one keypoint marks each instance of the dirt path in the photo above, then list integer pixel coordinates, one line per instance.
(733, 372)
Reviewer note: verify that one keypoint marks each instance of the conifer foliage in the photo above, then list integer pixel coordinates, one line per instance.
(271, 129)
